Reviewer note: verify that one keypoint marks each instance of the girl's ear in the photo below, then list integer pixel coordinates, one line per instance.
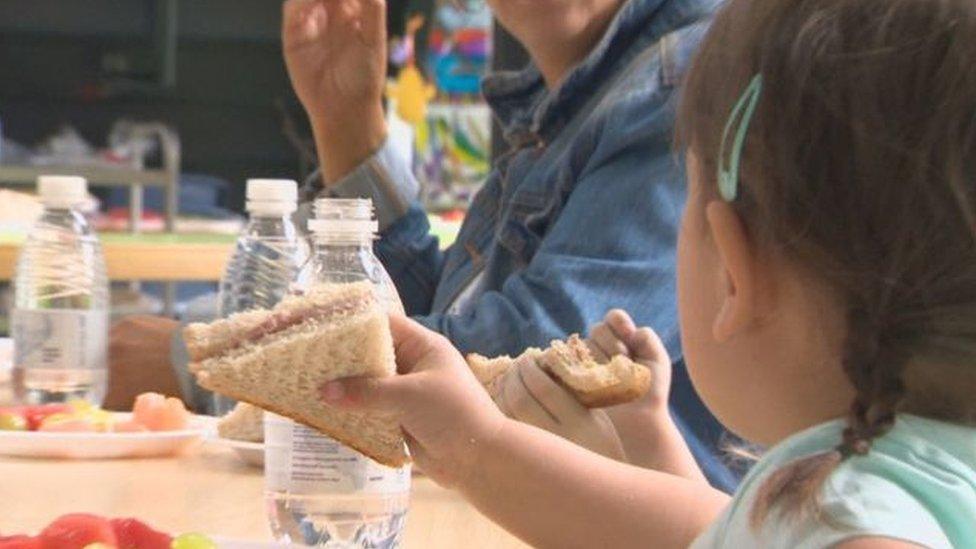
(738, 290)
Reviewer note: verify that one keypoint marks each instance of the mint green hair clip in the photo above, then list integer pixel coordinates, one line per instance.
(728, 173)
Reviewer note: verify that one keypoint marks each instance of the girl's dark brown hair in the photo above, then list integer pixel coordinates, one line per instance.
(859, 166)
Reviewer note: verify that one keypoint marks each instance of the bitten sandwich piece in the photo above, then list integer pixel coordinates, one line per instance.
(594, 384)
(279, 359)
(245, 422)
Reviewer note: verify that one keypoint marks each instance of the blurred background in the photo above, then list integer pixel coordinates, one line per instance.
(167, 106)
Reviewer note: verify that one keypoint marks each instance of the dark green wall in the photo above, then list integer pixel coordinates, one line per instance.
(55, 58)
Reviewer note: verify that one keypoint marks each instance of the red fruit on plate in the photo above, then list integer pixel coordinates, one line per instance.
(77, 530)
(135, 534)
(35, 415)
(20, 542)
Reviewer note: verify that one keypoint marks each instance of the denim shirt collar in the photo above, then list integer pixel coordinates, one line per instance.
(528, 112)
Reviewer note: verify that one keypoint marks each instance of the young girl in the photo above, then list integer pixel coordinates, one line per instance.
(827, 290)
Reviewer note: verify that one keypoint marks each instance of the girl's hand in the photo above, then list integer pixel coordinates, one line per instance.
(547, 491)
(335, 51)
(445, 413)
(531, 396)
(648, 434)
(618, 335)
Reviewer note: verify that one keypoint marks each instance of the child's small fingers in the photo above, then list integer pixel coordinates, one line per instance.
(550, 395)
(417, 451)
(413, 343)
(517, 402)
(608, 341)
(596, 350)
(646, 346)
(391, 394)
(620, 323)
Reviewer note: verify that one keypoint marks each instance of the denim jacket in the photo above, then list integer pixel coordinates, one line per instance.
(579, 217)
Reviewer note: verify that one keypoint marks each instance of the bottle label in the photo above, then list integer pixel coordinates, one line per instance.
(60, 339)
(300, 460)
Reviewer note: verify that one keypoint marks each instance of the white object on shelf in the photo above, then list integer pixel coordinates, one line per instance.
(18, 211)
(6, 353)
(6, 365)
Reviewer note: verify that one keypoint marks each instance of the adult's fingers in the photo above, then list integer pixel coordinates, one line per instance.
(373, 22)
(302, 20)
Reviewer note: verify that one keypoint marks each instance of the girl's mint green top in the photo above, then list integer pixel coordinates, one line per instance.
(918, 484)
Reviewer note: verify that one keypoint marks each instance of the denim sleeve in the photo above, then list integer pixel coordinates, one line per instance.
(387, 179)
(413, 258)
(409, 252)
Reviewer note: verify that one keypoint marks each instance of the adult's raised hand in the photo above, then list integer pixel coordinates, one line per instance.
(335, 51)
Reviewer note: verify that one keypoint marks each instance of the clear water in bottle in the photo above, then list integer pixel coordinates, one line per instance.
(323, 494)
(319, 492)
(269, 253)
(61, 302)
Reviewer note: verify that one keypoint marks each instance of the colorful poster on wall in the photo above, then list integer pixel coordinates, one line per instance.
(439, 96)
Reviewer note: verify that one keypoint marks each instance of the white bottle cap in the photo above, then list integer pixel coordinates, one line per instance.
(62, 191)
(343, 226)
(272, 196)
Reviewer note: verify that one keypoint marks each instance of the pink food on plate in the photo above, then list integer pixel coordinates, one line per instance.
(129, 427)
(159, 413)
(69, 426)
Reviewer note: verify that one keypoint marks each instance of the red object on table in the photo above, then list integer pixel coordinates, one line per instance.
(135, 534)
(20, 542)
(78, 530)
(34, 415)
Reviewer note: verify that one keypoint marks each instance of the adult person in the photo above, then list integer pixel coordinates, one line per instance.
(581, 215)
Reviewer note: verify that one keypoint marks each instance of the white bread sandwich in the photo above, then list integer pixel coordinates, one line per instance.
(245, 422)
(279, 359)
(594, 384)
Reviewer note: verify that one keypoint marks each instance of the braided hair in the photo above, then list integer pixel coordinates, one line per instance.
(860, 167)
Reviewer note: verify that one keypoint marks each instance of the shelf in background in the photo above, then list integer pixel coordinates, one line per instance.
(160, 257)
(171, 257)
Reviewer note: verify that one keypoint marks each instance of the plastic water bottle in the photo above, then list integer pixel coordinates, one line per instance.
(61, 302)
(319, 492)
(270, 251)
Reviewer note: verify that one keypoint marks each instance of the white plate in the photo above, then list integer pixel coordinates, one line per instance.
(227, 543)
(251, 453)
(32, 444)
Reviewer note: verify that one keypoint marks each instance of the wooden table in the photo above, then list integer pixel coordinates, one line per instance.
(209, 491)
